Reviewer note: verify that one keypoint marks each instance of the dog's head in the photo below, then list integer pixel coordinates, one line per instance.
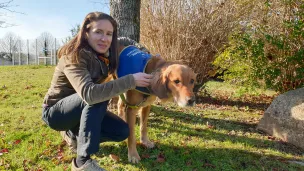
(177, 82)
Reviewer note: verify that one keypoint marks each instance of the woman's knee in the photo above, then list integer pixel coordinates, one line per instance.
(124, 133)
(96, 109)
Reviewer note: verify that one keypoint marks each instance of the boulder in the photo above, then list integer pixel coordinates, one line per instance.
(284, 118)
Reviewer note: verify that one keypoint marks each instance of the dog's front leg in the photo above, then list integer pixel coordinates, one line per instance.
(133, 155)
(144, 139)
(121, 109)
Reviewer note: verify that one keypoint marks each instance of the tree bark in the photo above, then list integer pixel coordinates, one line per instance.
(127, 15)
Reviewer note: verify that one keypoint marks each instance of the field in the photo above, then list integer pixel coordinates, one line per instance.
(218, 133)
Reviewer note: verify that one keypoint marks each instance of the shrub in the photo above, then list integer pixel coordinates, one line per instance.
(191, 31)
(271, 51)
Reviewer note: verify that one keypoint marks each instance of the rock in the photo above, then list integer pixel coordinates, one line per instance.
(284, 118)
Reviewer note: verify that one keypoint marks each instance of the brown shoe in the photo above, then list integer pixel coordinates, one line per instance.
(72, 143)
(90, 165)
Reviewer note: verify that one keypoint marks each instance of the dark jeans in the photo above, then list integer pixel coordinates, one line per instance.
(92, 124)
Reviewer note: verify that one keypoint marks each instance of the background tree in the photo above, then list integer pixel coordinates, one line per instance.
(10, 44)
(6, 7)
(127, 15)
(73, 32)
(45, 43)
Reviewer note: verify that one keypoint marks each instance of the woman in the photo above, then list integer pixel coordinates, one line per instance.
(75, 103)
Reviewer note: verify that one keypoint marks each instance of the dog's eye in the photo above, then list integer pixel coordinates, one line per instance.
(191, 81)
(176, 81)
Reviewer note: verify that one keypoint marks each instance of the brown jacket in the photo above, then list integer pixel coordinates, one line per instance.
(83, 78)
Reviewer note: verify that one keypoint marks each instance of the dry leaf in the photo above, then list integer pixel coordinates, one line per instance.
(271, 137)
(17, 142)
(114, 157)
(209, 165)
(160, 158)
(5, 150)
(145, 156)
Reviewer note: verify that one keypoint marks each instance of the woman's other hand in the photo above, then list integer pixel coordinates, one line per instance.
(142, 79)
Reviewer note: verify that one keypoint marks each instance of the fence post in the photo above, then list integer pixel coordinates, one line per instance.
(13, 58)
(19, 52)
(45, 62)
(36, 59)
(28, 52)
(55, 54)
(51, 56)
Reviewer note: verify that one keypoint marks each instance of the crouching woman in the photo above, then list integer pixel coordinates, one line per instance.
(75, 103)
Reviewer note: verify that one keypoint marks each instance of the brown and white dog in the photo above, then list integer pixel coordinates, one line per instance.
(171, 82)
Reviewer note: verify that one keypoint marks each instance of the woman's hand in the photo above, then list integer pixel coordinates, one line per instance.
(142, 79)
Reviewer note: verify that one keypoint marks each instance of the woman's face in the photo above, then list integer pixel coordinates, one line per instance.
(100, 35)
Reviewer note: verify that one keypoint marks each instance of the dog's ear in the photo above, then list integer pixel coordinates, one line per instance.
(159, 85)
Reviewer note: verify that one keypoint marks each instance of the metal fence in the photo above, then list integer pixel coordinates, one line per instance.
(31, 52)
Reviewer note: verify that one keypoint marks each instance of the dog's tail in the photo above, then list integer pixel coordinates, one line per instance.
(126, 41)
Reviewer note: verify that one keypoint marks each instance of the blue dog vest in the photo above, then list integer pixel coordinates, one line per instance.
(131, 61)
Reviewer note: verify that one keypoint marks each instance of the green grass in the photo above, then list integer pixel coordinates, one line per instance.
(217, 134)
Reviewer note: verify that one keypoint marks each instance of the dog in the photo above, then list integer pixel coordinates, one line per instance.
(171, 82)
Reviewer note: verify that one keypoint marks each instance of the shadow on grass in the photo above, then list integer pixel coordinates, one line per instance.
(209, 134)
(180, 158)
(258, 105)
(195, 119)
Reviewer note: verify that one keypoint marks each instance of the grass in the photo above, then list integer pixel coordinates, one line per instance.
(217, 134)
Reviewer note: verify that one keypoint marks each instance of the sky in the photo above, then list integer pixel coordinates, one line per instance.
(57, 17)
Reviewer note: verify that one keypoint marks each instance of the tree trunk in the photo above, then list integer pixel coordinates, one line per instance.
(127, 15)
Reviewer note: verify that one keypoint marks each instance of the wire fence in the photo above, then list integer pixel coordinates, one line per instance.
(30, 51)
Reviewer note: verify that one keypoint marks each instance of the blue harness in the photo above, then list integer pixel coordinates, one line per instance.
(131, 61)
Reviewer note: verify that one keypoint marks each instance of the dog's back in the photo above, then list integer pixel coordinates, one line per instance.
(125, 41)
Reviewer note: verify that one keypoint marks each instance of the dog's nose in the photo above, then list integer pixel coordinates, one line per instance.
(191, 101)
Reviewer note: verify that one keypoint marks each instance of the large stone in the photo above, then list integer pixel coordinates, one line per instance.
(284, 118)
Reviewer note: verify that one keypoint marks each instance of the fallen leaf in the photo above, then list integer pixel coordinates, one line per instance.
(145, 156)
(47, 143)
(271, 138)
(198, 129)
(186, 152)
(28, 87)
(189, 163)
(5, 150)
(160, 158)
(232, 132)
(210, 126)
(17, 142)
(283, 161)
(59, 157)
(209, 165)
(114, 157)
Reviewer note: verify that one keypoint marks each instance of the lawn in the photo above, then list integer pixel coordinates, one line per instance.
(216, 134)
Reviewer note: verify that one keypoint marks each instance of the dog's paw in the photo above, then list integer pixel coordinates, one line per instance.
(148, 144)
(133, 157)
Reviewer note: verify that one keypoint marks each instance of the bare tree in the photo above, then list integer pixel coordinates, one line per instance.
(127, 15)
(105, 5)
(10, 44)
(6, 7)
(45, 42)
(74, 31)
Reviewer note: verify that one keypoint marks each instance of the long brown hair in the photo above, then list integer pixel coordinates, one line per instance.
(73, 47)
